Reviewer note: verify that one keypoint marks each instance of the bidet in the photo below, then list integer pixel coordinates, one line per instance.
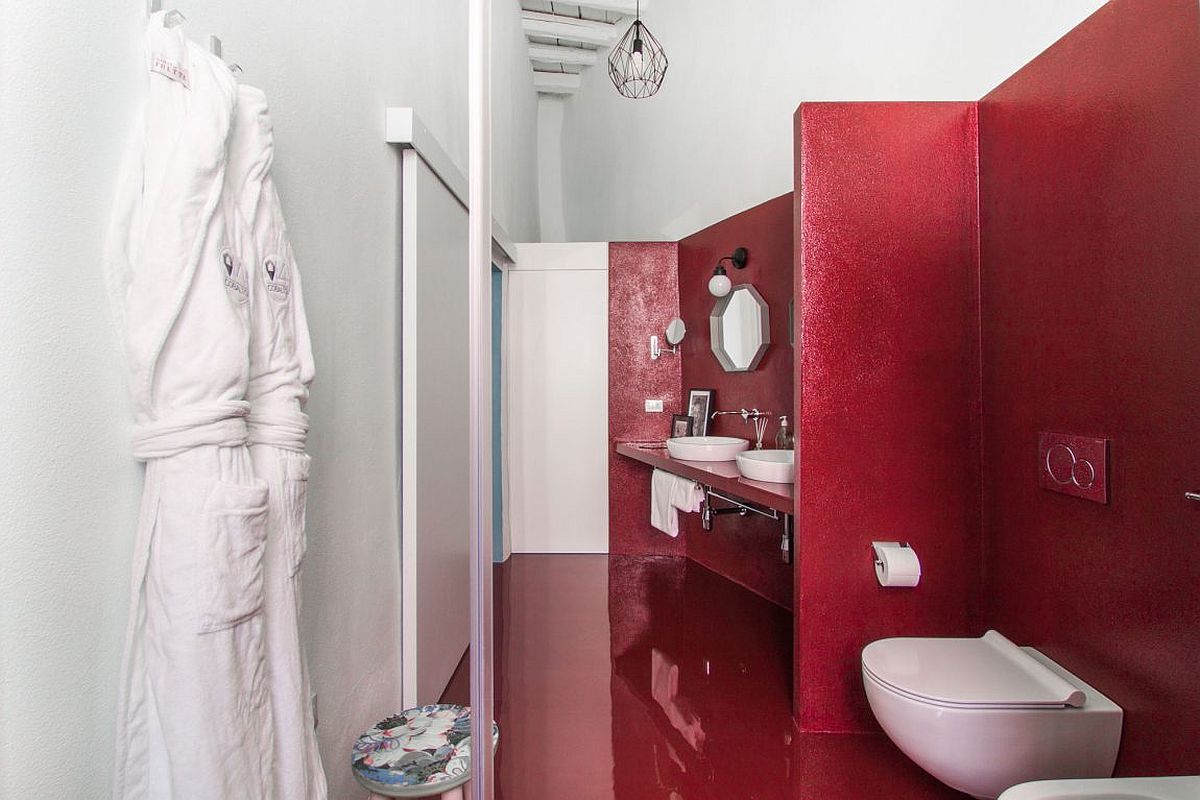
(1175, 788)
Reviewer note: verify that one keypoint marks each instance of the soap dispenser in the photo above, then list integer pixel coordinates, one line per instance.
(785, 439)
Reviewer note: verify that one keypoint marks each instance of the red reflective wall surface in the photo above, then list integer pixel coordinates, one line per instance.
(888, 377)
(1090, 208)
(649, 283)
(643, 297)
(743, 549)
(969, 276)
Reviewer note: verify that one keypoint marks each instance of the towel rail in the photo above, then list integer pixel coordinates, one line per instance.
(742, 507)
(708, 514)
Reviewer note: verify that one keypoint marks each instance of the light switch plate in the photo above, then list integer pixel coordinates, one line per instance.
(654, 406)
(1074, 465)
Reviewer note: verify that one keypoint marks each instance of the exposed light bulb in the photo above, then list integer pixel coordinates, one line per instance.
(719, 284)
(637, 63)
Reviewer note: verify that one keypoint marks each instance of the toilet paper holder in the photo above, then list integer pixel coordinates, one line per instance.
(896, 564)
(876, 545)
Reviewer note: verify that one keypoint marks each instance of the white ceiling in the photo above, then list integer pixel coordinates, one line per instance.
(567, 38)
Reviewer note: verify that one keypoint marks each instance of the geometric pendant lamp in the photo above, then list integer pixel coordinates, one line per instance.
(638, 63)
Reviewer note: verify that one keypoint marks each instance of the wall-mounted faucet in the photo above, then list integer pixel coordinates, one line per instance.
(745, 414)
(760, 421)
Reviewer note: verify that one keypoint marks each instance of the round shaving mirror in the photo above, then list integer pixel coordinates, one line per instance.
(675, 331)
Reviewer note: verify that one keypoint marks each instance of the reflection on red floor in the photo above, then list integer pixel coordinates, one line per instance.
(651, 678)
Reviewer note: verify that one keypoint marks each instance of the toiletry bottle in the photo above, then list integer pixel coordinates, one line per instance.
(785, 439)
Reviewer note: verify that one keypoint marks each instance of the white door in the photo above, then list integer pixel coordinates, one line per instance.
(435, 448)
(558, 398)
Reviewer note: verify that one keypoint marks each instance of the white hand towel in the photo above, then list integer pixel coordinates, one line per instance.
(670, 494)
(686, 495)
(663, 515)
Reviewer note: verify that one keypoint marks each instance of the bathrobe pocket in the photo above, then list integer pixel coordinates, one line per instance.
(295, 499)
(231, 552)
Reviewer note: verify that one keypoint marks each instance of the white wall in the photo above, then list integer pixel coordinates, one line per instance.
(514, 125)
(558, 392)
(717, 138)
(69, 81)
(550, 111)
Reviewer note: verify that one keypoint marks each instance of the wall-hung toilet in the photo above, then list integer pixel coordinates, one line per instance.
(981, 715)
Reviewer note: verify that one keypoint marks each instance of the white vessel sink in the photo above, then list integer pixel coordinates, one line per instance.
(772, 466)
(1182, 788)
(706, 448)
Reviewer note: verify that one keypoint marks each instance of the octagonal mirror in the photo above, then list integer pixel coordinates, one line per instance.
(740, 329)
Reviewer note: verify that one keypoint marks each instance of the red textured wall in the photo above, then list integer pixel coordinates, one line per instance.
(889, 389)
(643, 296)
(745, 550)
(1090, 209)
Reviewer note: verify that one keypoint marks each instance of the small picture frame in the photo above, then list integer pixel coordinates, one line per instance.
(699, 408)
(681, 425)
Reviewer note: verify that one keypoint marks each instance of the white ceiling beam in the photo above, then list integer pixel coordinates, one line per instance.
(627, 7)
(571, 29)
(556, 82)
(554, 54)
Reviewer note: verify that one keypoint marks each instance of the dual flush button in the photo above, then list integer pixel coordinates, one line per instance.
(1074, 465)
(1078, 466)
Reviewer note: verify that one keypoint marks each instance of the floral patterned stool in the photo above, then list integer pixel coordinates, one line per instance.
(422, 752)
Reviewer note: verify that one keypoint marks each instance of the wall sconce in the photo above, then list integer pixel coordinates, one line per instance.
(719, 284)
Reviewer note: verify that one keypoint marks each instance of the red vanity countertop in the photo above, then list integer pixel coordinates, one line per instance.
(722, 476)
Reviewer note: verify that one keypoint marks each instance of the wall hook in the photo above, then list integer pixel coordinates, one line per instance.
(172, 19)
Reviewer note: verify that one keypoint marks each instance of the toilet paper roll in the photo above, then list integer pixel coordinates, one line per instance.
(896, 564)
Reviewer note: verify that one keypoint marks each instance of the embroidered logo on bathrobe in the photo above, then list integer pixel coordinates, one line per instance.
(278, 277)
(235, 277)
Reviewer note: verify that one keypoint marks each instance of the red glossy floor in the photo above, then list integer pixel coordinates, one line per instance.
(631, 678)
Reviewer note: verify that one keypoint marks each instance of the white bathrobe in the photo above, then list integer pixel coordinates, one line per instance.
(281, 369)
(194, 713)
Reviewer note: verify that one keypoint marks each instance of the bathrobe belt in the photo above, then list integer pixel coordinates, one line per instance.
(222, 423)
(282, 426)
(227, 424)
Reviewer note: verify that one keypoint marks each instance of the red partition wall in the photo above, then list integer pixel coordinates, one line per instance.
(888, 383)
(745, 550)
(1090, 209)
(643, 297)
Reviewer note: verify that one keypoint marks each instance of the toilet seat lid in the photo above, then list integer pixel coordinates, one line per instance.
(989, 671)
